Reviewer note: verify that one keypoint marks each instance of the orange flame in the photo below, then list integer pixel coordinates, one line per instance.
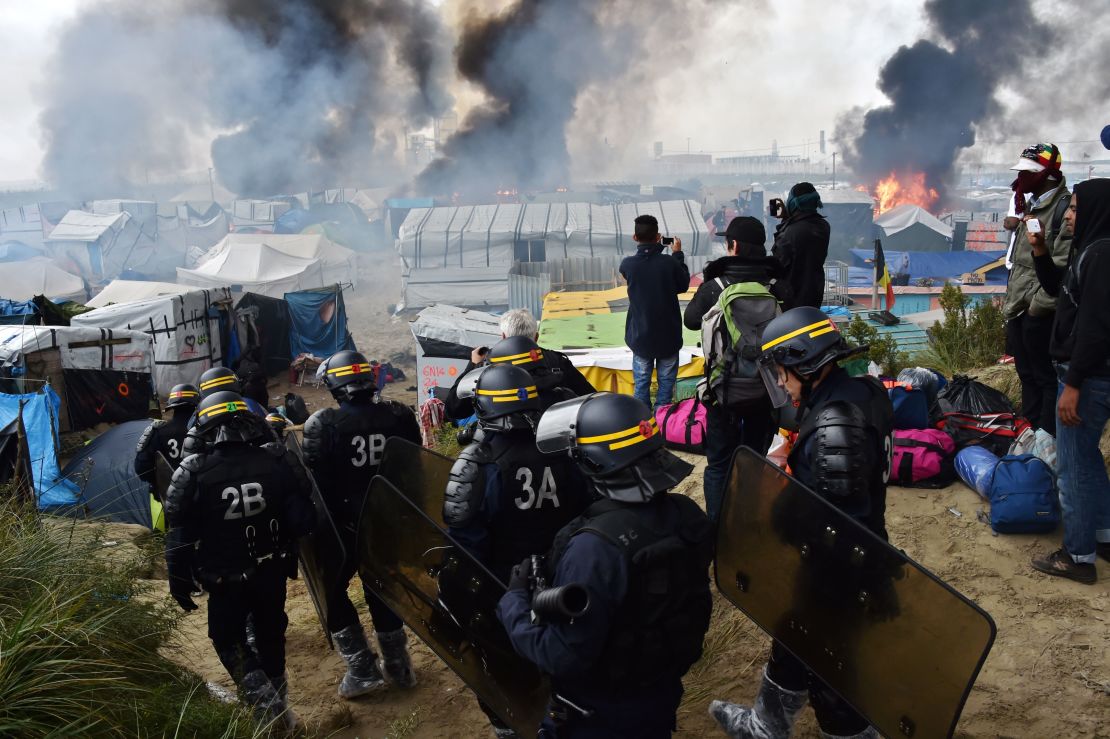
(901, 189)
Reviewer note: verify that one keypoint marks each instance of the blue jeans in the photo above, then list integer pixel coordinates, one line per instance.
(666, 368)
(1081, 472)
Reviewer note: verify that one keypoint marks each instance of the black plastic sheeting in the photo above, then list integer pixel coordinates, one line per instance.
(106, 396)
(105, 469)
(269, 330)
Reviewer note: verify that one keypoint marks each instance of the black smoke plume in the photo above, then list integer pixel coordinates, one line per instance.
(942, 91)
(292, 95)
(532, 60)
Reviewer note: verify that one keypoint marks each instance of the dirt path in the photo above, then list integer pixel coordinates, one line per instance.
(1047, 676)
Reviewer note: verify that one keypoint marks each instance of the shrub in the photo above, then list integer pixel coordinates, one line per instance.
(79, 641)
(967, 337)
(883, 350)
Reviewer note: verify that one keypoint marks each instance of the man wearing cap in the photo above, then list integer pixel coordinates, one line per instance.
(801, 245)
(1040, 194)
(750, 423)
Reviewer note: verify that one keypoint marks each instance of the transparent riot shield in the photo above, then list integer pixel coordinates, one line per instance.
(322, 555)
(448, 600)
(886, 634)
(420, 474)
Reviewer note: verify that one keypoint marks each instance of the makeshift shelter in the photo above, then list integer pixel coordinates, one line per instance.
(850, 214)
(104, 376)
(445, 335)
(40, 276)
(318, 322)
(588, 327)
(204, 192)
(257, 214)
(266, 324)
(99, 246)
(185, 233)
(128, 291)
(15, 462)
(342, 223)
(105, 473)
(22, 224)
(184, 330)
(39, 414)
(273, 264)
(911, 228)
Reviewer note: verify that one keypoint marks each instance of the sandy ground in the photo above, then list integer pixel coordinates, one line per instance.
(1048, 674)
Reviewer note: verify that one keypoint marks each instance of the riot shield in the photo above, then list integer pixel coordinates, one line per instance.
(322, 555)
(886, 634)
(448, 599)
(163, 476)
(420, 474)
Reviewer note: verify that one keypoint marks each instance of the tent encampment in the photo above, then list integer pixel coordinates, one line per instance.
(185, 331)
(39, 412)
(257, 214)
(104, 376)
(912, 228)
(273, 264)
(23, 224)
(104, 471)
(40, 276)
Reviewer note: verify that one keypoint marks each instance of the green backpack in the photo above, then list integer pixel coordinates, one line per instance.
(732, 341)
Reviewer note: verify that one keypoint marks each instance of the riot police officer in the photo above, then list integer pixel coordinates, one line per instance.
(216, 380)
(556, 379)
(842, 453)
(506, 499)
(343, 447)
(234, 512)
(166, 436)
(642, 554)
(219, 379)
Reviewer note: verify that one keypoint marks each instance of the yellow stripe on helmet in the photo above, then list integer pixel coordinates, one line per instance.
(232, 407)
(523, 358)
(216, 382)
(350, 369)
(811, 327)
(510, 391)
(184, 394)
(821, 331)
(511, 398)
(635, 430)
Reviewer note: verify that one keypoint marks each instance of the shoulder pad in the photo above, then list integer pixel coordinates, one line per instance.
(148, 435)
(467, 484)
(182, 485)
(400, 409)
(194, 443)
(843, 454)
(319, 421)
(317, 434)
(839, 413)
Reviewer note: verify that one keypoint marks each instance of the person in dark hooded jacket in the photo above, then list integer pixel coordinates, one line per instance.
(748, 424)
(801, 246)
(1080, 346)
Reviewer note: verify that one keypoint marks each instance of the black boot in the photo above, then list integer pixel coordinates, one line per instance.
(259, 693)
(396, 659)
(363, 674)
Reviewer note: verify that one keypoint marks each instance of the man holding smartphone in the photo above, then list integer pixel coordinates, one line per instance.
(653, 328)
(1041, 197)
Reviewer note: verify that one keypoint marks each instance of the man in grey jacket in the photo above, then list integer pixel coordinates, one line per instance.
(1040, 194)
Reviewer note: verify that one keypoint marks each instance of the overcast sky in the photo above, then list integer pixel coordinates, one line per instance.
(783, 73)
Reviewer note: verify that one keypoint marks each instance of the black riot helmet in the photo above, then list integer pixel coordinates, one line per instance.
(223, 416)
(218, 379)
(505, 397)
(348, 375)
(802, 340)
(183, 396)
(617, 444)
(518, 351)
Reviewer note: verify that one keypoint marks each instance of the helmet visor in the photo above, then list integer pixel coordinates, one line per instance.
(774, 379)
(557, 429)
(468, 385)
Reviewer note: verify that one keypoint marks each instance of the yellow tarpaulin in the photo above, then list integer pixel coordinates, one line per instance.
(620, 381)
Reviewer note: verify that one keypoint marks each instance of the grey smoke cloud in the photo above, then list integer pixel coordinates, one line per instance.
(296, 93)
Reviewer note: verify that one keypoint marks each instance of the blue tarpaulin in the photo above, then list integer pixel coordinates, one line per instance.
(40, 422)
(318, 322)
(921, 264)
(17, 311)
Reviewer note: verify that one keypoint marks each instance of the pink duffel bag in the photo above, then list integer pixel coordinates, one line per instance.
(683, 425)
(923, 458)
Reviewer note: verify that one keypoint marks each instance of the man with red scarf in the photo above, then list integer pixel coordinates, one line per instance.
(1041, 195)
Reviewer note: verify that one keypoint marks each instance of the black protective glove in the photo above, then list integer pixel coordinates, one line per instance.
(179, 564)
(181, 591)
(521, 577)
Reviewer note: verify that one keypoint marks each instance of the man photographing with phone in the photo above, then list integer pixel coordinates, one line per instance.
(801, 245)
(653, 328)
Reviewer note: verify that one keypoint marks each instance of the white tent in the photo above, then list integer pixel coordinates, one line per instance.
(128, 291)
(39, 276)
(185, 331)
(903, 216)
(273, 264)
(496, 235)
(81, 348)
(21, 224)
(258, 214)
(98, 246)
